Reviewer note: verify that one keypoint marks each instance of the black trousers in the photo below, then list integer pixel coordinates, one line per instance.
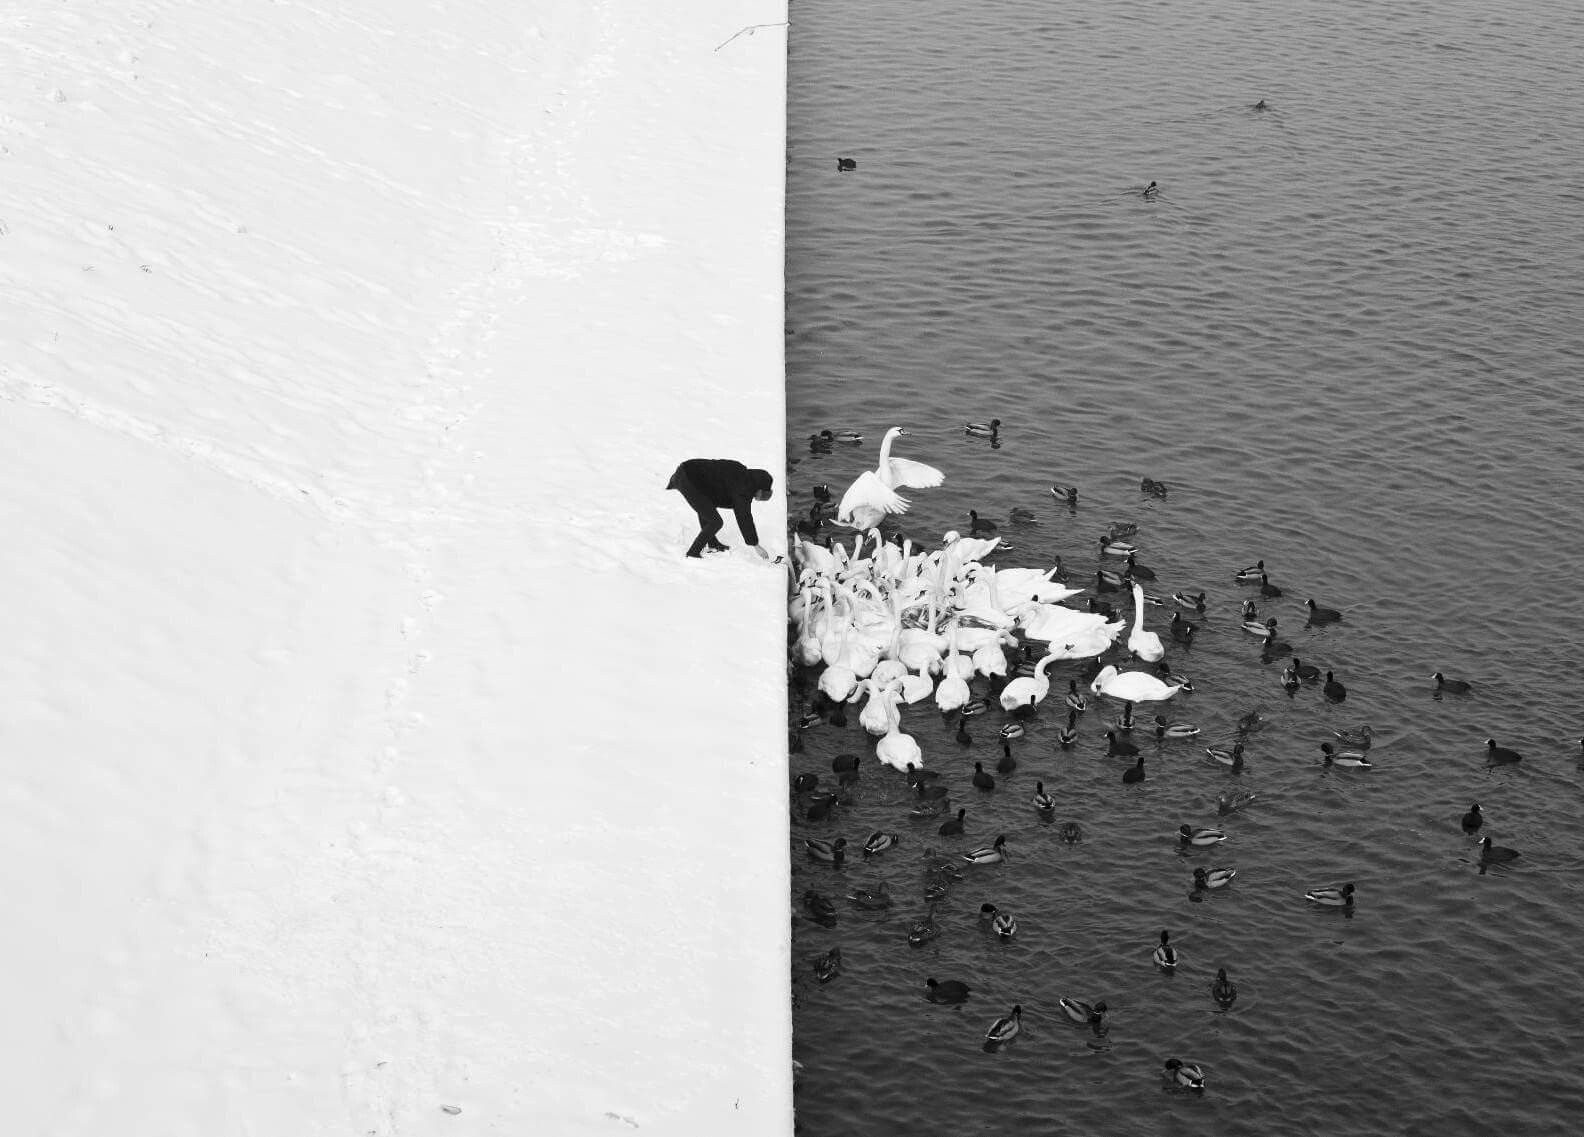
(710, 522)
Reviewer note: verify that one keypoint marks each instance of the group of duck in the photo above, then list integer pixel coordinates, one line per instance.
(892, 624)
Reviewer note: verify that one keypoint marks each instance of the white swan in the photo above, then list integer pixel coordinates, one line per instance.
(952, 691)
(1028, 690)
(876, 714)
(1145, 645)
(1132, 686)
(873, 496)
(896, 749)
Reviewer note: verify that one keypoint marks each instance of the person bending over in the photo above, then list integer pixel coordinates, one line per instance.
(712, 484)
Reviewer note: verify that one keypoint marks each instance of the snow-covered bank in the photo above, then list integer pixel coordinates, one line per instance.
(370, 748)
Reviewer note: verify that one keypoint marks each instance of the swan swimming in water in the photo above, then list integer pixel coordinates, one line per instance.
(1133, 686)
(1146, 645)
(873, 496)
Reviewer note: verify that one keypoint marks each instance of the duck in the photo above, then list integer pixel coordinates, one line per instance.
(1332, 897)
(1251, 574)
(873, 899)
(1228, 755)
(1121, 530)
(983, 429)
(1138, 571)
(819, 444)
(980, 526)
(1106, 581)
(1068, 735)
(1021, 515)
(845, 164)
(1006, 764)
(946, 991)
(1134, 773)
(1272, 648)
(1334, 691)
(820, 906)
(1320, 615)
(1119, 747)
(1165, 955)
(953, 826)
(962, 736)
(1086, 1014)
(1184, 1075)
(1200, 836)
(1150, 485)
(819, 805)
(1289, 680)
(1006, 1028)
(921, 932)
(1124, 722)
(1212, 878)
(1068, 494)
(1446, 686)
(975, 706)
(1500, 755)
(1251, 722)
(1003, 924)
(828, 966)
(1181, 630)
(981, 779)
(844, 762)
(1075, 699)
(1070, 833)
(1267, 589)
(1115, 547)
(879, 841)
(1231, 801)
(1358, 736)
(918, 776)
(987, 854)
(1258, 627)
(1164, 729)
(1011, 730)
(1495, 854)
(1042, 800)
(1354, 758)
(804, 782)
(1189, 600)
(1223, 990)
(1473, 819)
(931, 791)
(929, 807)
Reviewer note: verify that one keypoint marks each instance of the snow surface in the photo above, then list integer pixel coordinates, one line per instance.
(373, 761)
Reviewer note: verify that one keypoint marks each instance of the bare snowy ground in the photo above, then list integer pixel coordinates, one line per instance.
(373, 763)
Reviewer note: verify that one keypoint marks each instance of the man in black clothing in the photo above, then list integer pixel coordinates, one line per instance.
(713, 484)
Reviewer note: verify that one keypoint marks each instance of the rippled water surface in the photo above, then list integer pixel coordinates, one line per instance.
(1348, 334)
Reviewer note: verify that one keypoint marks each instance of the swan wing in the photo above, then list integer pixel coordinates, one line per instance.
(868, 495)
(906, 472)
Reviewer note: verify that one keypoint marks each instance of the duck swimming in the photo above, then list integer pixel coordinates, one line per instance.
(1233, 800)
(828, 966)
(1332, 897)
(1267, 589)
(1163, 729)
(1068, 494)
(1495, 854)
(1319, 615)
(1042, 800)
(1134, 773)
(1005, 1029)
(1228, 755)
(1075, 698)
(946, 991)
(1003, 924)
(1333, 690)
(1165, 955)
(1446, 686)
(1086, 1014)
(921, 932)
(1251, 574)
(1359, 736)
(1113, 547)
(1473, 819)
(983, 429)
(845, 164)
(1189, 600)
(1335, 757)
(821, 907)
(878, 842)
(1308, 672)
(988, 855)
(980, 525)
(1223, 990)
(1500, 755)
(1068, 735)
(981, 779)
(1258, 627)
(1070, 833)
(1200, 836)
(872, 899)
(1150, 485)
(1119, 747)
(1185, 1076)
(952, 827)
(1206, 879)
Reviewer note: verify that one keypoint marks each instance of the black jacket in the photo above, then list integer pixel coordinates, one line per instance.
(724, 483)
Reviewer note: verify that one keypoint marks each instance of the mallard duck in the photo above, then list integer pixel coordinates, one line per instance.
(1233, 800)
(871, 898)
(1075, 697)
(1250, 574)
(1319, 615)
(1223, 990)
(1003, 924)
(982, 779)
(1005, 1029)
(1165, 955)
(1181, 630)
(1205, 879)
(1500, 755)
(1108, 580)
(936, 891)
(819, 906)
(946, 991)
(953, 826)
(832, 852)
(1354, 736)
(1490, 854)
(1119, 747)
(1258, 627)
(929, 807)
(1228, 755)
(1333, 690)
(1446, 686)
(1189, 600)
(1087, 1014)
(988, 854)
(1332, 897)
(1185, 1076)
(1354, 758)
(1124, 721)
(1012, 730)
(828, 966)
(983, 429)
(1042, 800)
(921, 932)
(1164, 729)
(1068, 494)
(1134, 773)
(1251, 722)
(1121, 530)
(1068, 735)
(879, 842)
(1200, 835)
(845, 164)
(1111, 546)
(1070, 833)
(975, 706)
(1289, 680)
(819, 805)
(1150, 485)
(1473, 819)
(805, 782)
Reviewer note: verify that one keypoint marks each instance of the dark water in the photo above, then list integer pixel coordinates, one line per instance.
(1348, 333)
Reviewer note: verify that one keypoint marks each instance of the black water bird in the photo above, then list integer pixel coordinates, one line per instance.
(981, 779)
(1500, 755)
(845, 164)
(1443, 685)
(1334, 691)
(1496, 854)
(953, 827)
(1319, 615)
(946, 991)
(1473, 819)
(1134, 773)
